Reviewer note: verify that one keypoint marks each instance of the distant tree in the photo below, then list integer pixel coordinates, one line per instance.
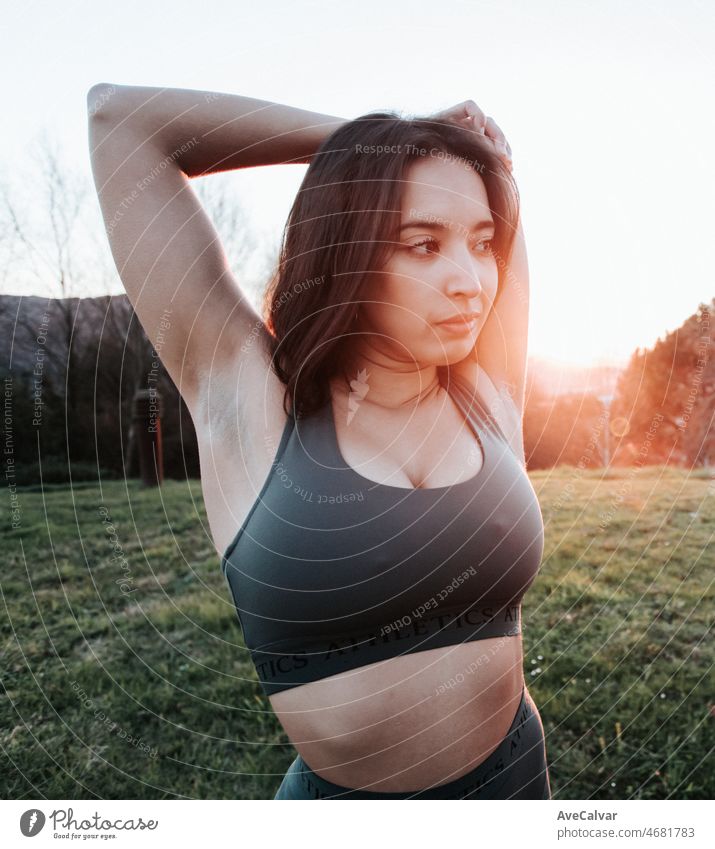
(46, 238)
(564, 430)
(666, 397)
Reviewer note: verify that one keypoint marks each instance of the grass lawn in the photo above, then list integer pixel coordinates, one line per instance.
(126, 678)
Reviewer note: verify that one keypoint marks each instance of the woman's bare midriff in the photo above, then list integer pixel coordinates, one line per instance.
(410, 722)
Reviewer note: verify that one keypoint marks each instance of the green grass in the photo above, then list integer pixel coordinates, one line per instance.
(620, 615)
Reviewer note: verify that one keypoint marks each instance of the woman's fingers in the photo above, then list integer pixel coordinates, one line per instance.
(475, 113)
(499, 139)
(497, 136)
(468, 114)
(486, 126)
(495, 133)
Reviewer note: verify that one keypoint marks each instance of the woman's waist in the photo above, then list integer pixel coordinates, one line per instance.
(407, 719)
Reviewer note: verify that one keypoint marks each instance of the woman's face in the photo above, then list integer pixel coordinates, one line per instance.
(441, 267)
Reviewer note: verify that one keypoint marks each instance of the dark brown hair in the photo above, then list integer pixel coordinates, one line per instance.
(341, 228)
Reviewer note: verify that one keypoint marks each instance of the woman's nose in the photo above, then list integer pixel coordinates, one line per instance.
(463, 274)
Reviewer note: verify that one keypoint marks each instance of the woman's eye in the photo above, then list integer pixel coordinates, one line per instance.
(429, 246)
(485, 245)
(425, 243)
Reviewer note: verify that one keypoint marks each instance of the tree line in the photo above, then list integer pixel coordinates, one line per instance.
(73, 366)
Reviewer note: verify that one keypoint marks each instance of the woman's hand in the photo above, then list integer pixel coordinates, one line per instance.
(468, 114)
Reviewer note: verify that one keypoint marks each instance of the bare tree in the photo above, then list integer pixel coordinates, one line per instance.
(233, 225)
(46, 237)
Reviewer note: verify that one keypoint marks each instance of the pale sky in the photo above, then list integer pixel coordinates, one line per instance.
(607, 107)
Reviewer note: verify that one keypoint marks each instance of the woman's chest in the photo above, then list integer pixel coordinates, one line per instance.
(332, 533)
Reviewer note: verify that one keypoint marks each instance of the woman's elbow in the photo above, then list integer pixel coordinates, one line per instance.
(98, 97)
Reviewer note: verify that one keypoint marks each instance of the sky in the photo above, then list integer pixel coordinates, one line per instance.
(607, 107)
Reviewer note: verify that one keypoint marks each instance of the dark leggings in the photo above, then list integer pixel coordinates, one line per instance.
(516, 769)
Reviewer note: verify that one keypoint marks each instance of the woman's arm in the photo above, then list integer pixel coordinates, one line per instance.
(502, 345)
(501, 349)
(219, 131)
(145, 145)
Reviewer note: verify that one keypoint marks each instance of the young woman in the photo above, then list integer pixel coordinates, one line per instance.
(361, 443)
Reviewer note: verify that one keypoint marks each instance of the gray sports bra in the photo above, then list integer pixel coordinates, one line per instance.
(331, 571)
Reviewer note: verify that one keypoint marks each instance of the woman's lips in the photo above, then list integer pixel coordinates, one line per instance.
(461, 324)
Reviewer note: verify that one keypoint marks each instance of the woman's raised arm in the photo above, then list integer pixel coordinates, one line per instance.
(145, 145)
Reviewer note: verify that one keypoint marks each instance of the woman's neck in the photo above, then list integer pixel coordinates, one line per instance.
(390, 385)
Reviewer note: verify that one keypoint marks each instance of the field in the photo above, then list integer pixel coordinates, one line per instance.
(124, 675)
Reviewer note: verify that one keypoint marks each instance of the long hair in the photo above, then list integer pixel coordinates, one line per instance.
(341, 228)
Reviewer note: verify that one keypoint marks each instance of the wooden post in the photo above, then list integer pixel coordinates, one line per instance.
(147, 409)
